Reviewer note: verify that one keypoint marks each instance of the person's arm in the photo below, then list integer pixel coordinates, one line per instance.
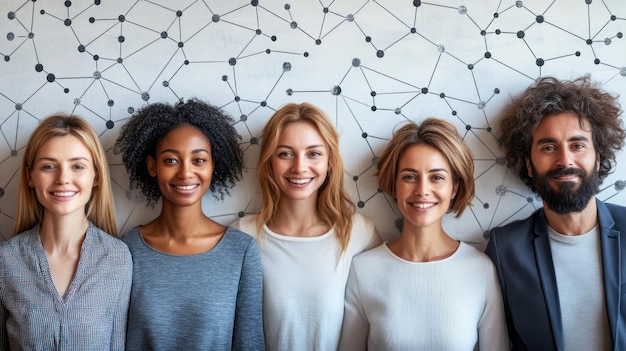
(120, 317)
(248, 328)
(492, 332)
(355, 329)
(4, 338)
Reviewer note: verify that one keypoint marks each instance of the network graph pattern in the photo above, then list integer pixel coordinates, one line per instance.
(371, 65)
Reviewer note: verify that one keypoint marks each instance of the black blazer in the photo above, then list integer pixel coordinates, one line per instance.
(521, 253)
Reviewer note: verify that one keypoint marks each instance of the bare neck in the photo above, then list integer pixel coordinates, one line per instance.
(63, 234)
(298, 218)
(424, 244)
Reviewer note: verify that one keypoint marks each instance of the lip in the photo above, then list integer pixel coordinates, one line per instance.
(63, 195)
(185, 188)
(299, 182)
(422, 205)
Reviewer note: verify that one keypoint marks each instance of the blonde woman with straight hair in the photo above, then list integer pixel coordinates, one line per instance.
(65, 279)
(307, 230)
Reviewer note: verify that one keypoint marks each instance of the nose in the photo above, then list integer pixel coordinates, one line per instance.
(298, 165)
(564, 158)
(184, 171)
(63, 176)
(421, 187)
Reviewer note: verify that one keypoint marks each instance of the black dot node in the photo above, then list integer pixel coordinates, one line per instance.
(286, 66)
(496, 91)
(96, 57)
(224, 78)
(42, 12)
(254, 2)
(589, 41)
(97, 75)
(453, 113)
(67, 22)
(243, 118)
(11, 15)
(186, 62)
(240, 214)
(588, 2)
(620, 35)
(215, 18)
(539, 62)
(355, 178)
(68, 3)
(468, 127)
(268, 51)
(364, 135)
(596, 61)
(232, 61)
(373, 108)
(413, 30)
(166, 83)
(325, 10)
(442, 95)
(164, 35)
(81, 48)
(485, 205)
(7, 58)
(417, 3)
(539, 19)
(121, 18)
(179, 13)
(529, 199)
(30, 35)
(361, 204)
(521, 34)
(92, 20)
(380, 53)
(263, 103)
(13, 153)
(120, 60)
(110, 103)
(368, 39)
(18, 107)
(131, 110)
(39, 67)
(50, 77)
(237, 99)
(273, 38)
(145, 96)
(258, 32)
(483, 32)
(181, 44)
(577, 53)
(613, 17)
(487, 54)
(293, 24)
(424, 90)
(496, 15)
(110, 124)
(489, 129)
(336, 90)
(397, 111)
(289, 92)
(498, 32)
(10, 36)
(121, 38)
(66, 90)
(470, 66)
(306, 54)
(318, 41)
(486, 234)
(379, 190)
(287, 6)
(254, 141)
(356, 62)
(372, 93)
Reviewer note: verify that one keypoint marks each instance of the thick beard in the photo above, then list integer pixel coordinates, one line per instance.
(566, 199)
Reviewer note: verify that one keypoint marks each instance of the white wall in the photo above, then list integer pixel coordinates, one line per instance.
(230, 65)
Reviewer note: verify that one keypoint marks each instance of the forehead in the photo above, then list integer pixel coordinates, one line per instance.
(67, 145)
(561, 126)
(182, 136)
(301, 132)
(423, 156)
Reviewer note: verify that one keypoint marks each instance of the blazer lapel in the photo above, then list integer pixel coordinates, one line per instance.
(545, 266)
(610, 246)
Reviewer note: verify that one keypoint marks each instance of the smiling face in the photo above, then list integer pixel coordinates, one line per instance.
(300, 161)
(563, 163)
(63, 176)
(424, 186)
(183, 166)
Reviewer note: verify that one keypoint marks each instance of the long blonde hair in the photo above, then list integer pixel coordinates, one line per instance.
(333, 205)
(100, 209)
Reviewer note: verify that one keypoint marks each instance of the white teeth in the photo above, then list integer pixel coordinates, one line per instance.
(63, 194)
(184, 187)
(421, 205)
(300, 181)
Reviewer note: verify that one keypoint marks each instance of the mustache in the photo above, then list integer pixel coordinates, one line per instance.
(559, 172)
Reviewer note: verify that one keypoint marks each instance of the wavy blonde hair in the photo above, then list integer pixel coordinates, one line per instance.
(333, 205)
(100, 209)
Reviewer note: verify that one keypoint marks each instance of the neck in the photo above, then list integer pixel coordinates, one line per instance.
(574, 223)
(298, 218)
(424, 244)
(63, 234)
(180, 221)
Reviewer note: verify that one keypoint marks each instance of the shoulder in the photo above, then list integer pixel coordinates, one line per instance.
(131, 237)
(108, 243)
(246, 224)
(469, 253)
(363, 234)
(516, 228)
(236, 237)
(366, 257)
(24, 238)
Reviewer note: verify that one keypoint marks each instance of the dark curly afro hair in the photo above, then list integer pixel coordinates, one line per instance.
(140, 136)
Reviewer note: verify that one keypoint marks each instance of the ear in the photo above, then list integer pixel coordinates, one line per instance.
(96, 179)
(529, 167)
(151, 163)
(598, 161)
(455, 189)
(29, 178)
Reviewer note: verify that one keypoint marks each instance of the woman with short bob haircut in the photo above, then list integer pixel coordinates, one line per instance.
(65, 279)
(307, 230)
(424, 290)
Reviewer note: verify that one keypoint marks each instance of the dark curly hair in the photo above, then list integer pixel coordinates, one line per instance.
(550, 96)
(140, 136)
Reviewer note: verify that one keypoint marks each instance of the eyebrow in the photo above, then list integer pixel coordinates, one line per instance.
(552, 140)
(52, 159)
(308, 147)
(174, 151)
(409, 169)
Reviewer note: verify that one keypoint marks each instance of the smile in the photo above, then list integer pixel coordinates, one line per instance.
(186, 187)
(300, 181)
(64, 193)
(423, 205)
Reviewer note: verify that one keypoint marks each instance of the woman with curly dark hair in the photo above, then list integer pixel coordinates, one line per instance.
(197, 284)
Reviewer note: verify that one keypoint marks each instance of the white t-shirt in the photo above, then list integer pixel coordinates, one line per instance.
(304, 283)
(451, 304)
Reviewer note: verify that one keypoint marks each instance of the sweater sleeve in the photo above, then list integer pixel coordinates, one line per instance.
(492, 333)
(248, 328)
(4, 342)
(118, 336)
(355, 329)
